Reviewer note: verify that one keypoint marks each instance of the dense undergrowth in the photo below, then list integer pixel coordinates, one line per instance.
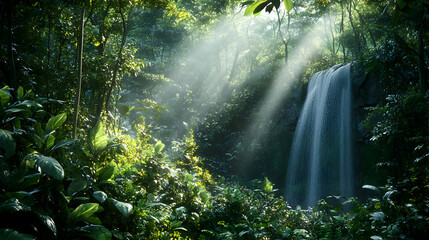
(109, 185)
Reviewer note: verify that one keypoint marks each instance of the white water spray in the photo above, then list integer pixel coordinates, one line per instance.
(321, 161)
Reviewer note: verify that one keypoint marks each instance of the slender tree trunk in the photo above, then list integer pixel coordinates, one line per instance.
(10, 56)
(349, 9)
(423, 81)
(284, 41)
(79, 81)
(118, 61)
(331, 30)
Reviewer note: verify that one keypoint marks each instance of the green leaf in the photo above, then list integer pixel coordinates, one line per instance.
(4, 97)
(247, 3)
(402, 4)
(97, 138)
(267, 186)
(55, 122)
(377, 216)
(27, 104)
(250, 9)
(63, 143)
(85, 211)
(124, 208)
(260, 7)
(370, 187)
(124, 109)
(100, 196)
(13, 205)
(30, 180)
(76, 186)
(288, 5)
(96, 232)
(20, 92)
(7, 144)
(15, 110)
(10, 234)
(106, 173)
(50, 141)
(49, 165)
(49, 223)
(159, 146)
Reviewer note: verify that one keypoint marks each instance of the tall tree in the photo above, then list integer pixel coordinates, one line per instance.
(79, 79)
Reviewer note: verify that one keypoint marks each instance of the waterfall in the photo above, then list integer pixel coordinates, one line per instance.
(320, 162)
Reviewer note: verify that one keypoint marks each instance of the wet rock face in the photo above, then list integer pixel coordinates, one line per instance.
(366, 93)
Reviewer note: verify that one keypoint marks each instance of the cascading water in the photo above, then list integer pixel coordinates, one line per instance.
(321, 161)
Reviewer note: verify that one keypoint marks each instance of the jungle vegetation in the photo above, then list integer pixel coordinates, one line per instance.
(108, 132)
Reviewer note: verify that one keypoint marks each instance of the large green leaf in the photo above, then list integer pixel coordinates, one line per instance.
(85, 212)
(97, 138)
(49, 165)
(20, 92)
(159, 146)
(96, 232)
(55, 122)
(63, 143)
(4, 97)
(13, 205)
(106, 173)
(10, 234)
(251, 8)
(100, 196)
(48, 222)
(50, 141)
(27, 104)
(7, 143)
(76, 186)
(124, 208)
(288, 5)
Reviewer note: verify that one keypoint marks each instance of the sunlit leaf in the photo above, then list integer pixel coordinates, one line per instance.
(85, 211)
(370, 187)
(288, 5)
(4, 97)
(124, 208)
(106, 173)
(100, 196)
(49, 223)
(159, 146)
(267, 186)
(251, 8)
(260, 7)
(97, 138)
(50, 141)
(55, 122)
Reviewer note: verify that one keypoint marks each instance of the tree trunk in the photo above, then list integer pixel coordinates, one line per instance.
(284, 41)
(349, 9)
(118, 61)
(79, 81)
(11, 59)
(423, 82)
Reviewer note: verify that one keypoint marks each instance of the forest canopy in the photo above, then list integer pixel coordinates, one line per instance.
(160, 119)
